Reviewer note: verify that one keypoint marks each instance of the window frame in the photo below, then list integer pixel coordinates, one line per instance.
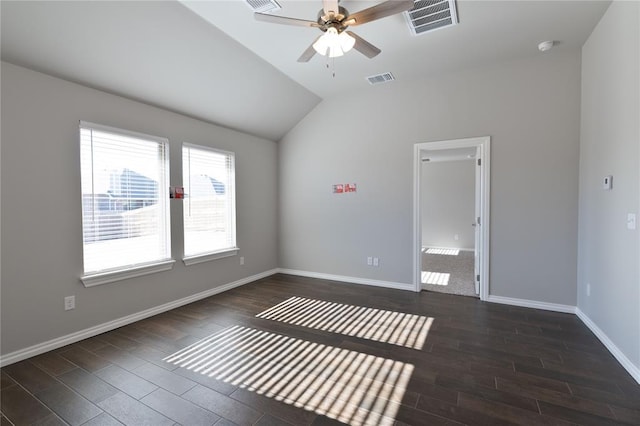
(94, 278)
(224, 252)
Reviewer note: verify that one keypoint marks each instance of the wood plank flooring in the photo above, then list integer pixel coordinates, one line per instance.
(480, 364)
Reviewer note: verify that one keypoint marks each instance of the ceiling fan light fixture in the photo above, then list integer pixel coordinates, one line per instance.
(346, 41)
(333, 44)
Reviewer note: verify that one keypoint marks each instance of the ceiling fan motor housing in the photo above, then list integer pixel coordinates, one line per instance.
(333, 20)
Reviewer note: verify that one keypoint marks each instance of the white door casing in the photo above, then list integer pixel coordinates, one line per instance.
(482, 145)
(477, 222)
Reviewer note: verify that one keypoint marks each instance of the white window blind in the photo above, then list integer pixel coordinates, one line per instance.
(209, 203)
(125, 206)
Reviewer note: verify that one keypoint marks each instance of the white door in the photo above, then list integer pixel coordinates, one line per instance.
(477, 223)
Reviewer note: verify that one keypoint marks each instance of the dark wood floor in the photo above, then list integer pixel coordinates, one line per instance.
(481, 364)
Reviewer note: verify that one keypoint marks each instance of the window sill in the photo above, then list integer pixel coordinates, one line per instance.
(92, 280)
(201, 258)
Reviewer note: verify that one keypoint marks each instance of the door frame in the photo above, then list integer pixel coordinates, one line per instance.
(483, 145)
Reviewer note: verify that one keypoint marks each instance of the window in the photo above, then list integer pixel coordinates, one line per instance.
(208, 177)
(125, 220)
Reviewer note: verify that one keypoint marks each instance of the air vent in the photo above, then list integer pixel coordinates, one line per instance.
(380, 78)
(263, 6)
(429, 15)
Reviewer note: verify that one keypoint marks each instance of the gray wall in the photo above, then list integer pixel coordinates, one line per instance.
(531, 110)
(41, 211)
(609, 254)
(448, 204)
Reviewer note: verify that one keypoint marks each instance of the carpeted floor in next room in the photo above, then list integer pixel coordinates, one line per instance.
(448, 271)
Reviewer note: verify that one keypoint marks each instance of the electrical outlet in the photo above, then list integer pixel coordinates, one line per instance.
(242, 260)
(456, 237)
(69, 303)
(588, 289)
(369, 260)
(376, 261)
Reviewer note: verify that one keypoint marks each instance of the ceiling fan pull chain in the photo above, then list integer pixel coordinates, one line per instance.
(331, 67)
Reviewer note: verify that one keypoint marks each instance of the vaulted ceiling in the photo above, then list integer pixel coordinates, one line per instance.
(214, 61)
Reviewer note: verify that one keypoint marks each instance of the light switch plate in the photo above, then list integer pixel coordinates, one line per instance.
(631, 221)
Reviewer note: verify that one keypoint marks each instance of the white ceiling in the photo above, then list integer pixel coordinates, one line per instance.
(220, 65)
(156, 52)
(488, 31)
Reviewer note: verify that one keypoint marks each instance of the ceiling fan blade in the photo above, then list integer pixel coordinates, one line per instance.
(330, 6)
(308, 54)
(265, 17)
(382, 10)
(364, 47)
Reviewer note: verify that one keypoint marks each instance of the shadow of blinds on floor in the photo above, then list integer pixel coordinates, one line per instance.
(349, 386)
(392, 327)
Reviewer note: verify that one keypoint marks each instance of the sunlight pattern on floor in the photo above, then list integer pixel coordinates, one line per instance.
(392, 327)
(437, 278)
(349, 386)
(446, 252)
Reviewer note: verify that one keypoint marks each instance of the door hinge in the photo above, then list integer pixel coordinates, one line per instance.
(478, 220)
(478, 277)
(479, 161)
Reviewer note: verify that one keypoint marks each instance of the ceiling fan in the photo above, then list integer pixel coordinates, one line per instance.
(333, 20)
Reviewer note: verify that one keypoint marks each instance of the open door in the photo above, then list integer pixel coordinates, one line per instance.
(477, 223)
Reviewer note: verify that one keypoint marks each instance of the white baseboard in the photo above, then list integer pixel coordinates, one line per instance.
(352, 280)
(59, 342)
(633, 369)
(555, 307)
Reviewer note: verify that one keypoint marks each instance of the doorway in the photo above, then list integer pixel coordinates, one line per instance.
(451, 216)
(448, 210)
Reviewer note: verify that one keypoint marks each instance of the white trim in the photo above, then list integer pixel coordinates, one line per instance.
(100, 278)
(525, 303)
(346, 279)
(130, 133)
(484, 147)
(208, 148)
(417, 220)
(59, 342)
(626, 363)
(615, 351)
(201, 258)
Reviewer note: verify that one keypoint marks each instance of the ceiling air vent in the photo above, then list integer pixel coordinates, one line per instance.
(428, 15)
(263, 6)
(380, 78)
